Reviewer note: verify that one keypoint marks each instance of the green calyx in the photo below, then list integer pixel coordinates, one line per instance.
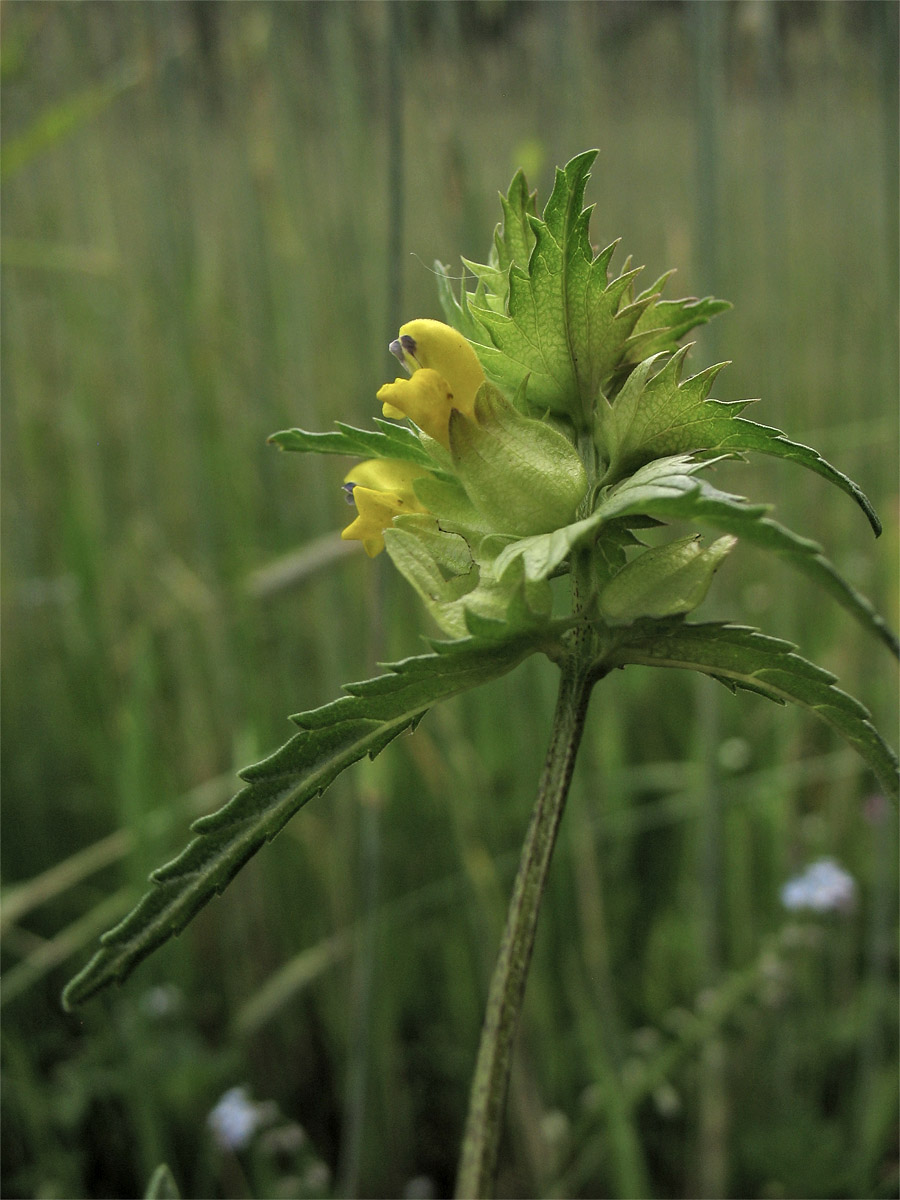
(521, 474)
(664, 581)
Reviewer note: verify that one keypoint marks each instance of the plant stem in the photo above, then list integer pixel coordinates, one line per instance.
(478, 1159)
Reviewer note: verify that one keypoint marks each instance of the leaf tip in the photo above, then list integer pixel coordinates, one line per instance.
(282, 438)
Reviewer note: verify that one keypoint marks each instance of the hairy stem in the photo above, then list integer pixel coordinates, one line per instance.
(478, 1160)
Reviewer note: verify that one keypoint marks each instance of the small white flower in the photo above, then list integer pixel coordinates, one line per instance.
(421, 1187)
(166, 1000)
(234, 1120)
(823, 887)
(316, 1177)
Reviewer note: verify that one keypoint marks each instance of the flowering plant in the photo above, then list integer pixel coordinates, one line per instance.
(548, 427)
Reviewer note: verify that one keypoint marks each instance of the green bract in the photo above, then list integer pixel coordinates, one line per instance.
(547, 430)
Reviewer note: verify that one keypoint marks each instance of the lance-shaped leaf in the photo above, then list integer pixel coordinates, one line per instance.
(657, 414)
(389, 441)
(331, 739)
(741, 657)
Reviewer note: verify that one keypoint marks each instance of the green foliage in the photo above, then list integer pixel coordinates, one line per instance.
(523, 475)
(162, 1185)
(664, 581)
(331, 739)
(179, 263)
(657, 414)
(744, 658)
(545, 313)
(670, 488)
(555, 338)
(392, 441)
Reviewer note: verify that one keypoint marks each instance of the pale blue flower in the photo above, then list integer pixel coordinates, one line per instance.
(823, 887)
(234, 1120)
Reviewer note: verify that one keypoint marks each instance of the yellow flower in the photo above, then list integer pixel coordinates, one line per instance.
(446, 375)
(381, 489)
(426, 399)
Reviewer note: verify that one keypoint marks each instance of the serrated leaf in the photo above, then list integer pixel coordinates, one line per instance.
(531, 337)
(563, 327)
(544, 309)
(513, 241)
(741, 657)
(744, 435)
(663, 324)
(514, 237)
(669, 488)
(658, 414)
(331, 738)
(390, 441)
(689, 498)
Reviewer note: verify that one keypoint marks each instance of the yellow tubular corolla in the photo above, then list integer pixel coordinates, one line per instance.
(446, 375)
(382, 488)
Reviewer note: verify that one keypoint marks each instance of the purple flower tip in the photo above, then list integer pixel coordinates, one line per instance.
(401, 347)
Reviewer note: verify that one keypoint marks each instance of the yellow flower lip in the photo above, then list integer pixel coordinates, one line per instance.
(425, 398)
(376, 512)
(381, 489)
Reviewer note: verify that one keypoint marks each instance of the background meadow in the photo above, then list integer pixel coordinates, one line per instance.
(214, 218)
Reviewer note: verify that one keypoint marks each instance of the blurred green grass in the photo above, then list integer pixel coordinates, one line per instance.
(197, 251)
